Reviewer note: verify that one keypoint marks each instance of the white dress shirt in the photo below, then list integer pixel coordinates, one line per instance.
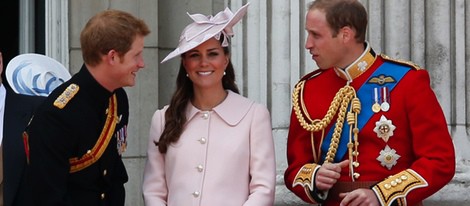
(3, 93)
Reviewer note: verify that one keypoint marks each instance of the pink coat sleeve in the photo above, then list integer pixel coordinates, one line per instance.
(262, 159)
(154, 184)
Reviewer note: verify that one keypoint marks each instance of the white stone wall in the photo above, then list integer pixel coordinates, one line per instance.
(269, 56)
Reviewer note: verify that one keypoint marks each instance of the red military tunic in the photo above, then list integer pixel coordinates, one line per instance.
(417, 149)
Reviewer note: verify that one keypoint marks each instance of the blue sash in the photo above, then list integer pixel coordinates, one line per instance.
(396, 71)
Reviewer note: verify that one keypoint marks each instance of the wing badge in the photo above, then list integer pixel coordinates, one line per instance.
(381, 80)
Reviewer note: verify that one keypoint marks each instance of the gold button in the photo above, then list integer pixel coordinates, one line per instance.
(387, 186)
(102, 195)
(388, 158)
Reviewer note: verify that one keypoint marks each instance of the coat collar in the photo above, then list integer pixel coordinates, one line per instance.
(359, 66)
(226, 110)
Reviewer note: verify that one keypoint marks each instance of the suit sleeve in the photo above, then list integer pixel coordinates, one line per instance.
(299, 157)
(49, 165)
(18, 111)
(262, 160)
(154, 187)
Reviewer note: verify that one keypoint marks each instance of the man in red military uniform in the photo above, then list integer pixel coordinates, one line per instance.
(365, 129)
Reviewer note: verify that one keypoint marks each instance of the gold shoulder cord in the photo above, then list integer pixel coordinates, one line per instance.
(403, 62)
(344, 97)
(93, 155)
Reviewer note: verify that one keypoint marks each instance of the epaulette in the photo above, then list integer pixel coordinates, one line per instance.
(311, 74)
(66, 96)
(402, 62)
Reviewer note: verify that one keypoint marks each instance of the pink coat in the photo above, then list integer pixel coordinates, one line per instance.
(224, 157)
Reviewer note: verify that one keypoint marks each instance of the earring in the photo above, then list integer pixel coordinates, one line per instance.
(224, 73)
(187, 75)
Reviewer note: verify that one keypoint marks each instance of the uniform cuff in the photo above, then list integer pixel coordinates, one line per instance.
(393, 190)
(306, 178)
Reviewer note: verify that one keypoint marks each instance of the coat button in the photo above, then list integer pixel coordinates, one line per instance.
(200, 168)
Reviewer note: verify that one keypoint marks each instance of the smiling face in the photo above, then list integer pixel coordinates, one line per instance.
(325, 48)
(205, 64)
(126, 66)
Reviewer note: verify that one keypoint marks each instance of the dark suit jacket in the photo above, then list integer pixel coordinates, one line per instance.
(58, 134)
(18, 112)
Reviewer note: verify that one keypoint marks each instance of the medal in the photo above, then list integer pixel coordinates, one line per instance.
(384, 128)
(121, 137)
(376, 107)
(388, 157)
(385, 106)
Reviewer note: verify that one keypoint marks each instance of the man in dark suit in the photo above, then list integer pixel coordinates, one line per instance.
(16, 110)
(77, 136)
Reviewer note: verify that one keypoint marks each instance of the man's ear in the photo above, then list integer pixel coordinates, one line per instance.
(111, 57)
(347, 34)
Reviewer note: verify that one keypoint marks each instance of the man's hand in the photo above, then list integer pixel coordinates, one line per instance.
(359, 197)
(328, 174)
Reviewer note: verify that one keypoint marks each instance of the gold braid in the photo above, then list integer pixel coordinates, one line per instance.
(353, 137)
(341, 100)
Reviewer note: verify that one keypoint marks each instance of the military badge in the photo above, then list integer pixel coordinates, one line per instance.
(381, 80)
(388, 157)
(362, 66)
(384, 128)
(121, 137)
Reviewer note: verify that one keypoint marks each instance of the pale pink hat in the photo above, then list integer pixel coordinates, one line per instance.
(205, 27)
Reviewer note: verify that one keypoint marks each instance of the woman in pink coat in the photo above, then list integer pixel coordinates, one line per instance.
(210, 146)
